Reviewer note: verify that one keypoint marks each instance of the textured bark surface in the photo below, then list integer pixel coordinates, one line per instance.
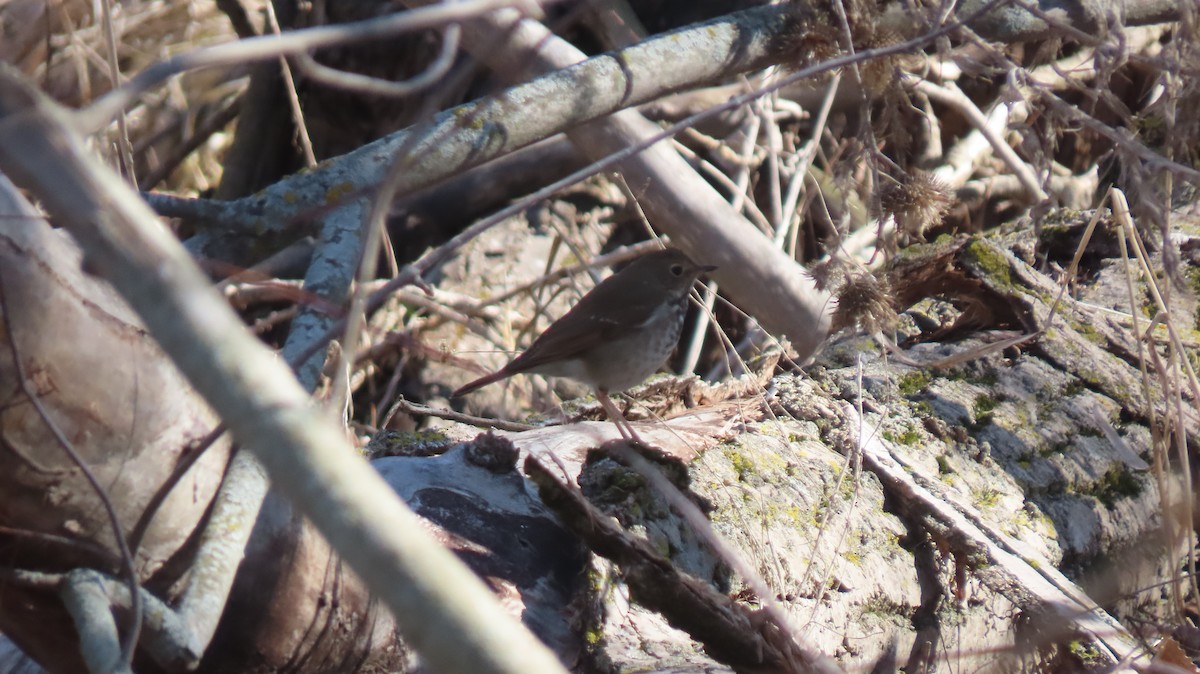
(123, 407)
(978, 482)
(983, 483)
(133, 420)
(966, 502)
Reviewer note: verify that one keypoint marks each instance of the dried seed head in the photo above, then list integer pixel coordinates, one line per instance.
(865, 301)
(881, 73)
(808, 41)
(805, 43)
(917, 202)
(831, 273)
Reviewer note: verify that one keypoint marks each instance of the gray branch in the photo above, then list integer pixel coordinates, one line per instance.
(446, 612)
(477, 132)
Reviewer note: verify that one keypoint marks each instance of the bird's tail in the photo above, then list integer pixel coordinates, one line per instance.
(479, 383)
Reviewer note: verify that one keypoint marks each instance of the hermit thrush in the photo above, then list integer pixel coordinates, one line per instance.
(618, 334)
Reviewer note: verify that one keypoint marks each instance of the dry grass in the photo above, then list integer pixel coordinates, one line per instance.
(62, 46)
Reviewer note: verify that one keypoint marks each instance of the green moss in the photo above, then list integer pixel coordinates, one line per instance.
(1061, 447)
(621, 488)
(1089, 332)
(1051, 232)
(988, 378)
(985, 407)
(986, 497)
(1021, 413)
(880, 606)
(662, 546)
(980, 376)
(985, 404)
(1116, 484)
(1074, 387)
(626, 480)
(765, 430)
(741, 464)
(913, 383)
(956, 374)
(794, 514)
(1020, 520)
(1149, 306)
(991, 262)
(1086, 653)
(594, 637)
(909, 437)
(943, 465)
(848, 490)
(408, 443)
(824, 427)
(748, 463)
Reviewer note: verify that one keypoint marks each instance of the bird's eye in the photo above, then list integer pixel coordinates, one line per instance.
(677, 270)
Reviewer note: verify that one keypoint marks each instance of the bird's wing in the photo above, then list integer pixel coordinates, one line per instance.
(605, 313)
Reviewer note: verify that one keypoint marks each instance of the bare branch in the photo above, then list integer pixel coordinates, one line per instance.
(451, 618)
(268, 47)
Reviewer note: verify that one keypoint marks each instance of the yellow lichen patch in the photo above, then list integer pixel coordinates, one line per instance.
(338, 192)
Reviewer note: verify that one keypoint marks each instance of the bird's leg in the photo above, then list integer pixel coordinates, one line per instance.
(615, 416)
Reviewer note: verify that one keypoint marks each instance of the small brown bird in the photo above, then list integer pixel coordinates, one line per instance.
(618, 334)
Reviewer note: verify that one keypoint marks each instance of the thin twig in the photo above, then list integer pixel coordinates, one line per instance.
(373, 86)
(268, 47)
(1177, 353)
(623, 254)
(289, 86)
(805, 157)
(736, 190)
(950, 94)
(177, 153)
(1121, 137)
(691, 355)
(402, 405)
(114, 74)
